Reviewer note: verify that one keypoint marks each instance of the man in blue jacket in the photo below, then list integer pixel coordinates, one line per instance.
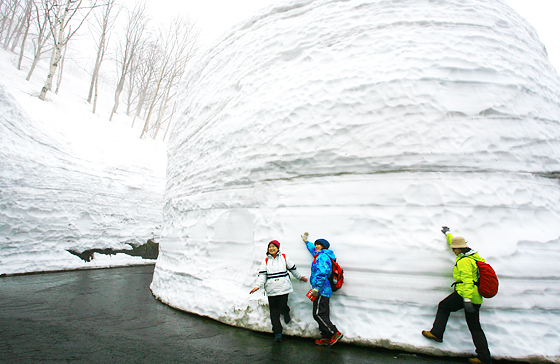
(321, 269)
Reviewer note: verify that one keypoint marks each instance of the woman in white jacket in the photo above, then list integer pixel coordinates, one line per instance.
(273, 275)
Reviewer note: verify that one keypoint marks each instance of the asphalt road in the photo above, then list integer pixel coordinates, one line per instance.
(110, 316)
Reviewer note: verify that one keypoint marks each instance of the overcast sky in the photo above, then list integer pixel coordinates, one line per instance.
(214, 17)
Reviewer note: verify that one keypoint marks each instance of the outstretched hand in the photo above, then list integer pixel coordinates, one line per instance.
(303, 279)
(304, 237)
(254, 290)
(444, 230)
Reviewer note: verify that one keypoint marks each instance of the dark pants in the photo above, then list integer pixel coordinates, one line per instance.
(452, 303)
(321, 314)
(278, 306)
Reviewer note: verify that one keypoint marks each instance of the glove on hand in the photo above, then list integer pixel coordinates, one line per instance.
(444, 230)
(315, 292)
(469, 307)
(304, 237)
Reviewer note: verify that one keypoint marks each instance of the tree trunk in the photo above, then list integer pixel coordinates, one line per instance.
(17, 32)
(97, 66)
(61, 69)
(95, 95)
(22, 49)
(117, 97)
(56, 54)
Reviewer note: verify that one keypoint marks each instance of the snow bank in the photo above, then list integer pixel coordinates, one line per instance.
(371, 124)
(71, 180)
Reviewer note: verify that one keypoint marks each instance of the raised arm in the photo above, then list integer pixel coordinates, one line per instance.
(448, 236)
(310, 246)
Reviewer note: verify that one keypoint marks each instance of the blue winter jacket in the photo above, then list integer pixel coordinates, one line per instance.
(321, 269)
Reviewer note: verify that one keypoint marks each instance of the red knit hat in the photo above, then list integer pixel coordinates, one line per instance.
(275, 242)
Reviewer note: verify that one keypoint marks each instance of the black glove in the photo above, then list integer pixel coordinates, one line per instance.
(444, 230)
(469, 307)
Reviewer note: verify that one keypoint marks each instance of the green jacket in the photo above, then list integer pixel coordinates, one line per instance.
(466, 272)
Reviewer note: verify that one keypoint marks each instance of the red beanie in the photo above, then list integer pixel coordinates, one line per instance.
(275, 242)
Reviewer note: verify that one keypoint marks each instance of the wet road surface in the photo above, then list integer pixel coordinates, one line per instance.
(110, 316)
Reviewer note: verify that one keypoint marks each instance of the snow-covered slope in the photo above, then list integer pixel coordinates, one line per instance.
(71, 180)
(371, 123)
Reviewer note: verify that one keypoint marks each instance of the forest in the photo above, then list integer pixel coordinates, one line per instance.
(123, 51)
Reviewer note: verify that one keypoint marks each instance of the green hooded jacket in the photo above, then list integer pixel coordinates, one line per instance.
(466, 272)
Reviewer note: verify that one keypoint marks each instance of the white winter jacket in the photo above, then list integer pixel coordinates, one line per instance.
(273, 274)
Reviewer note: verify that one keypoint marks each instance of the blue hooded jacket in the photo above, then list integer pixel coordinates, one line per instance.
(321, 269)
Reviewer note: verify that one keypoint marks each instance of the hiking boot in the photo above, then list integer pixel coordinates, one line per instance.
(429, 335)
(277, 337)
(334, 339)
(475, 361)
(287, 318)
(323, 341)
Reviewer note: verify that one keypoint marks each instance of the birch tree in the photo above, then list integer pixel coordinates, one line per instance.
(128, 48)
(43, 35)
(26, 26)
(105, 21)
(60, 14)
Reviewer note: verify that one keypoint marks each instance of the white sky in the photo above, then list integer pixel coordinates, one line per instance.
(214, 17)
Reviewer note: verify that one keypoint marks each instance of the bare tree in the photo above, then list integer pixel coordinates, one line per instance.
(61, 13)
(105, 20)
(19, 28)
(132, 41)
(10, 15)
(144, 76)
(43, 35)
(26, 25)
(178, 48)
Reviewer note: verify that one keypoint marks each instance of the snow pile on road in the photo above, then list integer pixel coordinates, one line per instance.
(70, 180)
(371, 124)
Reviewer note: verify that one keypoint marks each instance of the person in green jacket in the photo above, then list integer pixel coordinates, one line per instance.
(465, 296)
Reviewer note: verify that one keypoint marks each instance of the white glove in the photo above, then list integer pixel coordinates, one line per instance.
(304, 237)
(315, 292)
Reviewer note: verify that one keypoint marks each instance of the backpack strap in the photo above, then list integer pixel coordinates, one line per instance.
(266, 259)
(476, 283)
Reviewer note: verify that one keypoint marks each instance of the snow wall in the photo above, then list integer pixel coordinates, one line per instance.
(61, 190)
(371, 123)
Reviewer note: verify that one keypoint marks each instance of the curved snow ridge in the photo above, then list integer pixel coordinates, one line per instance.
(371, 124)
(56, 197)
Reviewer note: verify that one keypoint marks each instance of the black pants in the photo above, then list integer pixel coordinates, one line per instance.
(278, 306)
(453, 303)
(321, 314)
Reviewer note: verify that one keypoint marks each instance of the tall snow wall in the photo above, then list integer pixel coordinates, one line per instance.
(371, 124)
(56, 197)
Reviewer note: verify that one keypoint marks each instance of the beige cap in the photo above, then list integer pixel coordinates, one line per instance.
(458, 242)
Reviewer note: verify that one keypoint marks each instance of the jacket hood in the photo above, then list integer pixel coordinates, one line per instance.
(328, 252)
(471, 254)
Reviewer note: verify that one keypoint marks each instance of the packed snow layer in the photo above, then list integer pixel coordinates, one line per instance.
(371, 124)
(67, 182)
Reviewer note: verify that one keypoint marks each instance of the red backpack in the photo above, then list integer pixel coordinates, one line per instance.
(337, 276)
(487, 280)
